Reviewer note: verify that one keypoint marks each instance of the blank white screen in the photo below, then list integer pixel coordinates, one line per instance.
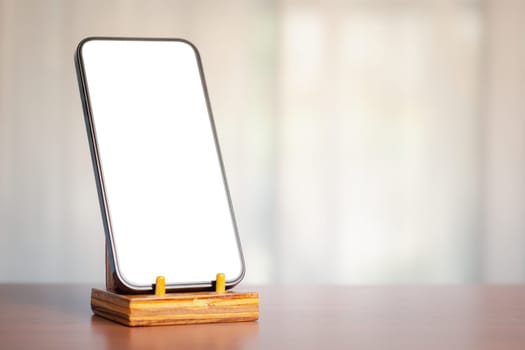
(167, 201)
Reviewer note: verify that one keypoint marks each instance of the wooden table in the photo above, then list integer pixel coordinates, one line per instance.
(291, 317)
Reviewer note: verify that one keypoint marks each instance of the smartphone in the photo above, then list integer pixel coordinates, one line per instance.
(165, 204)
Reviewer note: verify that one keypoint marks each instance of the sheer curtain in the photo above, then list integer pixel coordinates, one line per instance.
(364, 141)
(380, 160)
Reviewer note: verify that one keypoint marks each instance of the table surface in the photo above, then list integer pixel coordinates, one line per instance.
(303, 317)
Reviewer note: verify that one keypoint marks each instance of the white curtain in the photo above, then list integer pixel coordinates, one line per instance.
(364, 141)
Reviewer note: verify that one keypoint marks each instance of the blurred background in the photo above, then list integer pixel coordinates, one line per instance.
(365, 141)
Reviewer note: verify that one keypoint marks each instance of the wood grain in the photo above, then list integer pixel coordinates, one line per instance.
(175, 308)
(462, 317)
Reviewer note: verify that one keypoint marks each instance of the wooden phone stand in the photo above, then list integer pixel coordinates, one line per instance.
(164, 308)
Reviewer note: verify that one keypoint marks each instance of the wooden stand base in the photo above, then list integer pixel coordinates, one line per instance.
(175, 308)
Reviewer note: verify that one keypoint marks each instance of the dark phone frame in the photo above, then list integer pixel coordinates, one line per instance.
(115, 281)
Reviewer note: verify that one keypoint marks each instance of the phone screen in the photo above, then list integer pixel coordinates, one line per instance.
(162, 186)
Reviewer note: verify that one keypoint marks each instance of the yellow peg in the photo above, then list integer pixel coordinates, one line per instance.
(220, 283)
(160, 286)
